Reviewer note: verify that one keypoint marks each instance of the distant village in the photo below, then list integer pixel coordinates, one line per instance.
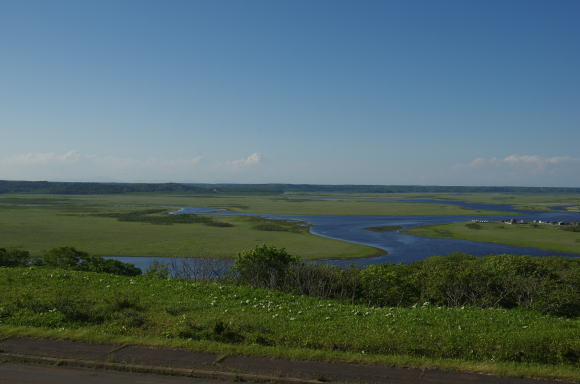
(516, 221)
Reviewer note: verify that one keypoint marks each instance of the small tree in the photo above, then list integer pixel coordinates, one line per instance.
(62, 257)
(264, 266)
(158, 270)
(101, 265)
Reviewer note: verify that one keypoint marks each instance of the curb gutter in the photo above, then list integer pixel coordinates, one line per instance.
(197, 373)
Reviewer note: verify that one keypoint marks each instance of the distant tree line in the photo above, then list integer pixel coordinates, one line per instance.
(48, 187)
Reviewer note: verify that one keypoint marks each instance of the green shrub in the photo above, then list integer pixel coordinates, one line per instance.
(264, 266)
(62, 257)
(13, 257)
(158, 270)
(101, 265)
(388, 285)
(70, 258)
(324, 281)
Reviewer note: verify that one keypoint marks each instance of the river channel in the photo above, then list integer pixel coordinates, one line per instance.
(399, 247)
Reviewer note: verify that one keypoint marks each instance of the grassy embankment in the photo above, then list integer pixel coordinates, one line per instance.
(228, 319)
(548, 237)
(92, 223)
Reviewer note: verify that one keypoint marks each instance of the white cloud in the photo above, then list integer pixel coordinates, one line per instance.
(40, 158)
(518, 170)
(526, 163)
(562, 159)
(72, 157)
(73, 165)
(253, 159)
(128, 162)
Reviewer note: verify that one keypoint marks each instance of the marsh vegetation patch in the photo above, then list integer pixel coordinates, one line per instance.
(384, 228)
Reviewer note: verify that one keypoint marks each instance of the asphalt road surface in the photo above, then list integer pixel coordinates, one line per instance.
(11, 373)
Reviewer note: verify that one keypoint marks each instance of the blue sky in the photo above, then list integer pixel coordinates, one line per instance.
(313, 91)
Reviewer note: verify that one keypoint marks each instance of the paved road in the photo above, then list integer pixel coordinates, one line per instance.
(249, 367)
(12, 373)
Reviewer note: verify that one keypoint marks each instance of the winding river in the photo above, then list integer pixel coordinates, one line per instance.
(400, 247)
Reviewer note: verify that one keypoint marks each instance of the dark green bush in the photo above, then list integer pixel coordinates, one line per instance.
(447, 280)
(13, 257)
(325, 281)
(550, 285)
(62, 257)
(264, 267)
(388, 285)
(101, 265)
(70, 258)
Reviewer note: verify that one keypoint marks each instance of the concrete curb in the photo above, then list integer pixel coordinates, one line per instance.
(197, 373)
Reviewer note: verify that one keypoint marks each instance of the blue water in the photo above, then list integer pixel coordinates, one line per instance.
(399, 247)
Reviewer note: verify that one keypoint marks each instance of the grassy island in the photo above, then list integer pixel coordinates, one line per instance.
(384, 228)
(541, 236)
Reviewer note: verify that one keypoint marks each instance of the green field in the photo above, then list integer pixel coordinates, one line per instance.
(524, 201)
(275, 204)
(41, 222)
(38, 229)
(528, 201)
(228, 319)
(541, 236)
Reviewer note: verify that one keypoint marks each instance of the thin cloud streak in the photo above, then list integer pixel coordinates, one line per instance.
(532, 163)
(73, 165)
(40, 158)
(73, 157)
(249, 161)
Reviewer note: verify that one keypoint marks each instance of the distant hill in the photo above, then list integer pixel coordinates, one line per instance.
(76, 188)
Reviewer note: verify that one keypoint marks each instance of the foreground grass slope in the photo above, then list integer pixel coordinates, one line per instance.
(221, 318)
(548, 237)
